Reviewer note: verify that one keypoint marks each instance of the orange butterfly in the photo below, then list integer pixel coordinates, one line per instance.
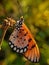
(21, 41)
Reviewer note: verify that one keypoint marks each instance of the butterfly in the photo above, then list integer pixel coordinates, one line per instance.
(21, 41)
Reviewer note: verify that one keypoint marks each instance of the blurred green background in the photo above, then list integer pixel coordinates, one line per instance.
(36, 15)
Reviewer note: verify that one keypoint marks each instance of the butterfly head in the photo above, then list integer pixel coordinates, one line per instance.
(19, 23)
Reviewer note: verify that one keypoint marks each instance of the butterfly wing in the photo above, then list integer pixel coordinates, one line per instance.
(22, 41)
(32, 52)
(18, 40)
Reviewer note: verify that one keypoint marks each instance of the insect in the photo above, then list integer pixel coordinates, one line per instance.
(21, 41)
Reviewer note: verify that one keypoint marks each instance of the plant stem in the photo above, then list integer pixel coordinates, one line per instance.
(4, 28)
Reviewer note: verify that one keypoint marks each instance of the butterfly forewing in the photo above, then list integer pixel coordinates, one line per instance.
(32, 52)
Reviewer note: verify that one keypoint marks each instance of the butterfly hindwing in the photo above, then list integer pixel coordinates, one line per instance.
(18, 40)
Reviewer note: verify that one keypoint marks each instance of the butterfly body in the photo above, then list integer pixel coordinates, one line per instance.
(22, 41)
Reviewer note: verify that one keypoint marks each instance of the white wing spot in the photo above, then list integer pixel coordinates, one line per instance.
(21, 51)
(14, 48)
(9, 43)
(34, 59)
(17, 50)
(25, 49)
(11, 46)
(37, 59)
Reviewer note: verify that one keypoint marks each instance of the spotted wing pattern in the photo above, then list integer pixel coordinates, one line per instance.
(18, 40)
(32, 52)
(22, 42)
